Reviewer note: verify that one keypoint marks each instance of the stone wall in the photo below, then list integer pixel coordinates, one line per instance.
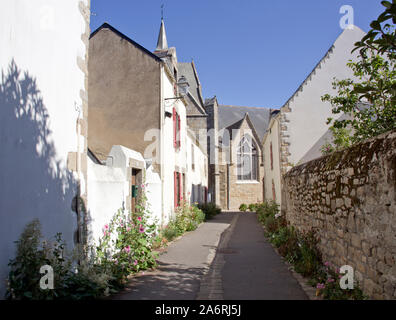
(349, 197)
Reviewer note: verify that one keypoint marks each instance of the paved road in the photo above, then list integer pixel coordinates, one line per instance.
(181, 267)
(225, 258)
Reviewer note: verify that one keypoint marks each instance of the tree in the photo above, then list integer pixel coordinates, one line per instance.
(370, 101)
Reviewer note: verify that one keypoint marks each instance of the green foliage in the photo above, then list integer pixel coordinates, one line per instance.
(341, 140)
(187, 218)
(126, 246)
(376, 84)
(301, 250)
(243, 207)
(90, 272)
(72, 280)
(327, 285)
(382, 36)
(253, 207)
(209, 209)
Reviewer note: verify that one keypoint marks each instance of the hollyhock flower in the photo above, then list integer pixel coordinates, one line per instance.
(127, 249)
(116, 262)
(128, 229)
(139, 218)
(330, 280)
(106, 227)
(141, 229)
(135, 263)
(320, 286)
(327, 263)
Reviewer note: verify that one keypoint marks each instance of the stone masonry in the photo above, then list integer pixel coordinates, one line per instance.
(349, 197)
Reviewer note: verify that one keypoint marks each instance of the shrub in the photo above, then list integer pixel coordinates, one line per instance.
(252, 207)
(243, 207)
(209, 209)
(327, 282)
(72, 280)
(301, 250)
(187, 218)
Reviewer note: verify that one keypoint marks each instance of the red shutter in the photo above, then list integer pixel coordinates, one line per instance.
(174, 127)
(175, 188)
(180, 188)
(179, 130)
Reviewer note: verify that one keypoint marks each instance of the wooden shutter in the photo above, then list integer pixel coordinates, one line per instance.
(178, 131)
(180, 188)
(174, 128)
(175, 188)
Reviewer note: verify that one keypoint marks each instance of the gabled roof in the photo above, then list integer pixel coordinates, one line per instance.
(237, 125)
(123, 36)
(319, 64)
(230, 115)
(188, 70)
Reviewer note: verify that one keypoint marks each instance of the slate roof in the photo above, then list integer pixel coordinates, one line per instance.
(230, 116)
(187, 69)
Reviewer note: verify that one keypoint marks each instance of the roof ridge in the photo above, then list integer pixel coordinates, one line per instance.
(120, 34)
(233, 106)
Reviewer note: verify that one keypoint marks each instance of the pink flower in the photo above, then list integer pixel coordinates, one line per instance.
(141, 229)
(139, 218)
(327, 263)
(116, 262)
(135, 263)
(128, 229)
(127, 249)
(320, 286)
(330, 280)
(106, 227)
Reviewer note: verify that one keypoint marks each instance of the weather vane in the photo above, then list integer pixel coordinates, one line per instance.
(162, 12)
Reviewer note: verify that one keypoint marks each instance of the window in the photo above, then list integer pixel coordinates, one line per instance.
(271, 156)
(177, 188)
(176, 129)
(247, 159)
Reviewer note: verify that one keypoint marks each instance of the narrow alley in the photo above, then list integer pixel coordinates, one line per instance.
(227, 257)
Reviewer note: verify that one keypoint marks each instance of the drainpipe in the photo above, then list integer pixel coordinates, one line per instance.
(162, 124)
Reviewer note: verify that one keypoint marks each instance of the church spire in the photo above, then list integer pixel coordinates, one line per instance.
(162, 43)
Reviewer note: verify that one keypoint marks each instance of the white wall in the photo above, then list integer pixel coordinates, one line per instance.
(171, 157)
(274, 174)
(108, 188)
(43, 38)
(308, 113)
(198, 176)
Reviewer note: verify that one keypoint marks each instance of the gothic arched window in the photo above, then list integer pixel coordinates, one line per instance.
(247, 159)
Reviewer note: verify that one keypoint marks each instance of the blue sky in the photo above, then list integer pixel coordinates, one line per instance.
(250, 53)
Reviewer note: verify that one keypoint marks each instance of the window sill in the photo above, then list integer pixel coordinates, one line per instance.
(247, 182)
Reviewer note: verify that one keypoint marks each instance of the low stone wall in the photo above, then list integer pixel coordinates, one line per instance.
(349, 197)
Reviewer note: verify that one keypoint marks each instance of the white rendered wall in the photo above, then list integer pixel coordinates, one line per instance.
(172, 157)
(107, 194)
(153, 194)
(308, 113)
(198, 176)
(43, 38)
(272, 136)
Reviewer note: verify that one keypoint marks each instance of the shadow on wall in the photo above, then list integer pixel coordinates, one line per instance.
(33, 182)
